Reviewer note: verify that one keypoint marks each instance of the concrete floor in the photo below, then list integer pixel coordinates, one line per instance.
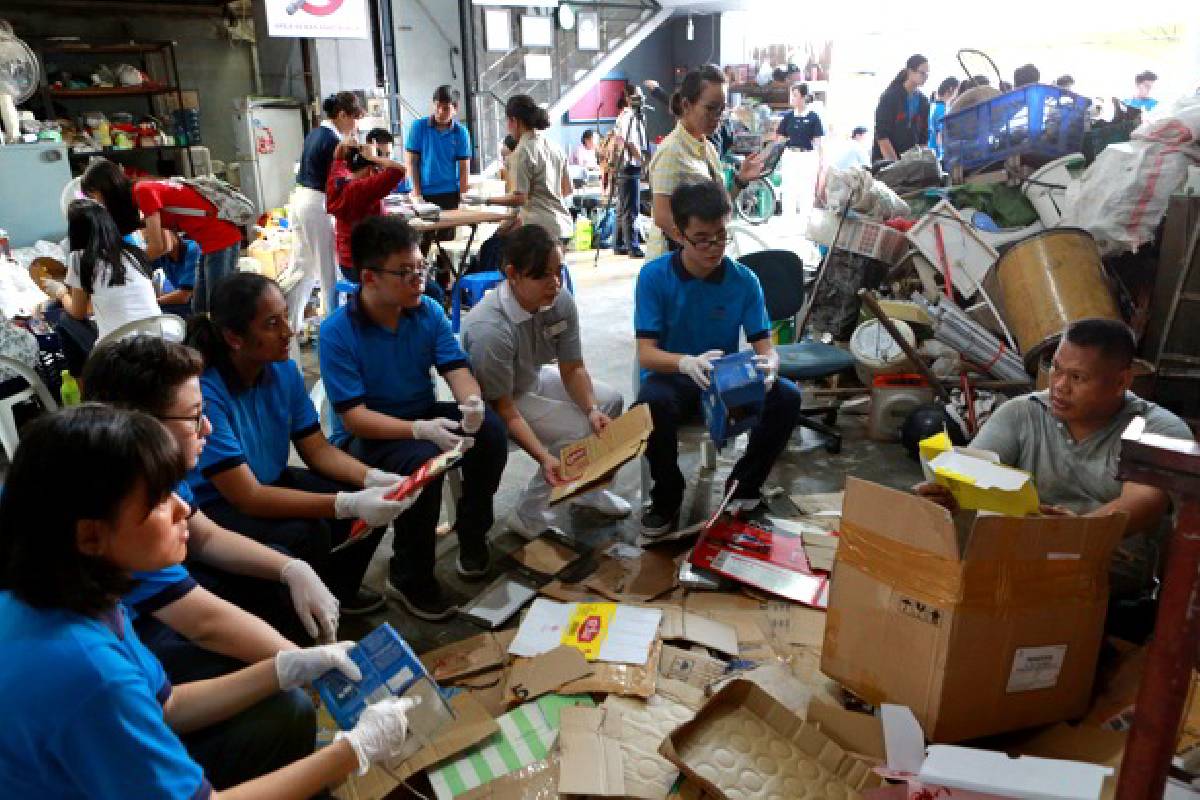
(606, 312)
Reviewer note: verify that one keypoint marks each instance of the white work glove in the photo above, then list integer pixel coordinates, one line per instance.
(371, 505)
(380, 732)
(378, 477)
(472, 414)
(769, 367)
(698, 367)
(315, 605)
(294, 668)
(440, 431)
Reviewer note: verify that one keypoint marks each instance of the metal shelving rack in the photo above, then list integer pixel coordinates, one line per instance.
(165, 77)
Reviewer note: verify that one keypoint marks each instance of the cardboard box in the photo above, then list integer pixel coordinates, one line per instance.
(964, 773)
(771, 560)
(979, 623)
(743, 744)
(591, 462)
(734, 399)
(978, 484)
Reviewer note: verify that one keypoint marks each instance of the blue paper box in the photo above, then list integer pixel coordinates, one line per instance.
(389, 669)
(733, 402)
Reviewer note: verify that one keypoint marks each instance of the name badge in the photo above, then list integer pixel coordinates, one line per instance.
(556, 328)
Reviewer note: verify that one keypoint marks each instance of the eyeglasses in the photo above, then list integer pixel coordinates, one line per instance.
(706, 242)
(196, 419)
(409, 275)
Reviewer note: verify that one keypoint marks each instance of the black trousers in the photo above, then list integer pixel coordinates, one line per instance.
(675, 399)
(259, 740)
(305, 538)
(629, 200)
(416, 529)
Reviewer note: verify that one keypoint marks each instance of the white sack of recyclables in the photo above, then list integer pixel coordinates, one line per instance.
(866, 195)
(1123, 195)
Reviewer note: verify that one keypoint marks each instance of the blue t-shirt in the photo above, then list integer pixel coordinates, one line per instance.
(690, 315)
(801, 130)
(1147, 104)
(181, 273)
(253, 427)
(937, 111)
(388, 371)
(153, 590)
(83, 714)
(914, 105)
(440, 152)
(317, 158)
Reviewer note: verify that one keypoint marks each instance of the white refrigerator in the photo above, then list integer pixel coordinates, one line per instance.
(269, 134)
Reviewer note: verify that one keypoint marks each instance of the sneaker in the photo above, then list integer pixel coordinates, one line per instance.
(365, 601)
(606, 503)
(656, 522)
(424, 599)
(473, 561)
(637, 252)
(620, 251)
(530, 529)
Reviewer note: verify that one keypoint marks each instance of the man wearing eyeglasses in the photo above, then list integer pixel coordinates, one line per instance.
(690, 307)
(376, 353)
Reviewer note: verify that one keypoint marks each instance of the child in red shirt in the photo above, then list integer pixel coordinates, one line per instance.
(359, 179)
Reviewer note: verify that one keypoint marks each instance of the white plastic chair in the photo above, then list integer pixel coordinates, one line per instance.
(168, 326)
(9, 437)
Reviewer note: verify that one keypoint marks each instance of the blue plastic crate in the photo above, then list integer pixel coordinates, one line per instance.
(1033, 120)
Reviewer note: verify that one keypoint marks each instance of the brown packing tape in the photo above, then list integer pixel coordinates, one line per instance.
(1004, 584)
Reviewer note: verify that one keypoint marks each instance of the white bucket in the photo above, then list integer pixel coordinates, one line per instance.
(1046, 188)
(876, 353)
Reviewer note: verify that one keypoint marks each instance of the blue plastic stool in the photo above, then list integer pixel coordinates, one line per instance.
(475, 286)
(342, 291)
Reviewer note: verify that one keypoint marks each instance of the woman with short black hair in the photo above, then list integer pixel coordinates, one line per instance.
(89, 711)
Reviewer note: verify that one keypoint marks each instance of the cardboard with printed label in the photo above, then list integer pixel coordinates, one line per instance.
(980, 623)
(591, 462)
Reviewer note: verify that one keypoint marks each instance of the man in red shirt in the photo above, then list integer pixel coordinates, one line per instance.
(359, 179)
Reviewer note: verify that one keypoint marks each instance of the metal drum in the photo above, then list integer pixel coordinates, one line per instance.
(1049, 280)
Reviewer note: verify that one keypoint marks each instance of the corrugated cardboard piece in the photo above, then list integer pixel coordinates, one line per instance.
(590, 740)
(472, 724)
(979, 623)
(592, 461)
(469, 656)
(745, 745)
(679, 624)
(531, 678)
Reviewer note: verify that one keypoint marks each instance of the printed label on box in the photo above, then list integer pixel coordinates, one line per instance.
(918, 610)
(588, 628)
(1036, 668)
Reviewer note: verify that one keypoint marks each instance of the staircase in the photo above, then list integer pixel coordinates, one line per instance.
(622, 26)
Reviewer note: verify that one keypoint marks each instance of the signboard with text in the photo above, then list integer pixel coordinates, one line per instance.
(318, 19)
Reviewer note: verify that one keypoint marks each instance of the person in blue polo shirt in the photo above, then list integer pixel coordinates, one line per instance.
(179, 266)
(376, 353)
(690, 307)
(194, 632)
(257, 407)
(439, 159)
(89, 712)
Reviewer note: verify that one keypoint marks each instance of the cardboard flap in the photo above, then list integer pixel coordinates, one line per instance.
(679, 624)
(531, 678)
(472, 724)
(592, 761)
(589, 461)
(469, 656)
(857, 732)
(899, 516)
(903, 739)
(1087, 539)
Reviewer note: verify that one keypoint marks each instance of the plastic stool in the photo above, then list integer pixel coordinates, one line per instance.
(342, 291)
(475, 286)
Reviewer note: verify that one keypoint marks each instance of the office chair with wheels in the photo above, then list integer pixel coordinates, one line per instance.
(781, 273)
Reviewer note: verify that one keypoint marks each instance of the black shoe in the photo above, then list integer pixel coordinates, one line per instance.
(620, 251)
(365, 601)
(637, 252)
(473, 561)
(657, 522)
(423, 599)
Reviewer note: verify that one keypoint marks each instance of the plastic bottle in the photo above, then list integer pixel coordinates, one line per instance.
(104, 134)
(70, 390)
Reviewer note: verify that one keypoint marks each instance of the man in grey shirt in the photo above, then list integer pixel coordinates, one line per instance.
(1069, 439)
(525, 351)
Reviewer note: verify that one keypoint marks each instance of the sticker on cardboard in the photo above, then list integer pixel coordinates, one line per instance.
(1036, 668)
